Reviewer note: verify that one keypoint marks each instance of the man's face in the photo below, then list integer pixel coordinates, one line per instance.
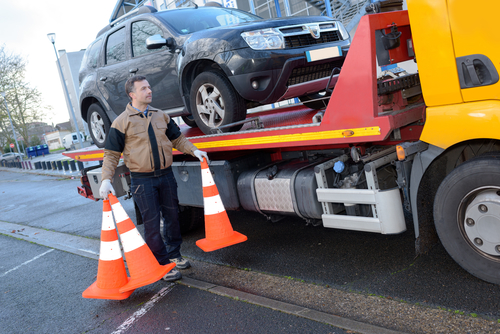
(142, 92)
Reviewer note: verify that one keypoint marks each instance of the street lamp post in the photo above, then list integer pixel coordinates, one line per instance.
(52, 39)
(10, 119)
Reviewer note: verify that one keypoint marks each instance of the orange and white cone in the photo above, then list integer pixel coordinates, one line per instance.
(111, 273)
(218, 229)
(143, 267)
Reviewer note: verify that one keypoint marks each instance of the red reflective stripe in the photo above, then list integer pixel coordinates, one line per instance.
(109, 235)
(210, 191)
(125, 226)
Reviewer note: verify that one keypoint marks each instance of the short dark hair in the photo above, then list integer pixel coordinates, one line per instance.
(129, 85)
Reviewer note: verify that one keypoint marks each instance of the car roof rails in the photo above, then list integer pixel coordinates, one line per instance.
(213, 4)
(132, 13)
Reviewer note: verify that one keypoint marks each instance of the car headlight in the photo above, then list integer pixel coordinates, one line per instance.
(343, 32)
(265, 39)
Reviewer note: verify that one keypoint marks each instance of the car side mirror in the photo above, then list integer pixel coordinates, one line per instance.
(156, 42)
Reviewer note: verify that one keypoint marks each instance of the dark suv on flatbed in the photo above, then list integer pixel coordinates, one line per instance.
(209, 64)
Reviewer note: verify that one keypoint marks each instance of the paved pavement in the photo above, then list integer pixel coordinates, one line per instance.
(375, 309)
(89, 248)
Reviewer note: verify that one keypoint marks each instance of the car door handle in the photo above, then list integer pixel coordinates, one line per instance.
(103, 78)
(133, 70)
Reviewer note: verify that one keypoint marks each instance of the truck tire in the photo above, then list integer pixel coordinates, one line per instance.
(190, 218)
(214, 103)
(467, 216)
(99, 124)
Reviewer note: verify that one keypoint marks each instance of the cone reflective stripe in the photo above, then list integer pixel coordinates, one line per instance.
(218, 230)
(111, 273)
(143, 267)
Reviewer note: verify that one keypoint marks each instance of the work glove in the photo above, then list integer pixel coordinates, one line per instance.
(200, 155)
(106, 188)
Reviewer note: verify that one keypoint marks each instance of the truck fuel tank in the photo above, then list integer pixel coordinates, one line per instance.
(282, 188)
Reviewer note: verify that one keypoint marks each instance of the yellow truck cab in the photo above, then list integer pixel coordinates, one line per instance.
(457, 49)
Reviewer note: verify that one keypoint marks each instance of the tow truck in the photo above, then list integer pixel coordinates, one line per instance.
(389, 143)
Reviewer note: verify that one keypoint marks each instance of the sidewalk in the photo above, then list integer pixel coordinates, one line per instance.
(55, 164)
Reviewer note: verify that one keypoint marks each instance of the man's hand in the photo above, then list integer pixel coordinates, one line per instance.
(200, 155)
(106, 188)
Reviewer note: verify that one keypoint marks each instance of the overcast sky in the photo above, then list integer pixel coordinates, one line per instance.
(24, 26)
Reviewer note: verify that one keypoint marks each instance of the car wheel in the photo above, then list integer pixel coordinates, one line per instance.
(215, 103)
(99, 124)
(467, 216)
(319, 104)
(189, 120)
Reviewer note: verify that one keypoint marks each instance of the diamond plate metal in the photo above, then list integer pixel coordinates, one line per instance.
(274, 195)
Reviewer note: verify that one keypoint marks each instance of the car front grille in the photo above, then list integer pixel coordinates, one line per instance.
(306, 39)
(314, 72)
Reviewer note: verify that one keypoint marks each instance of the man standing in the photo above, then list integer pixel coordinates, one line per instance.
(146, 137)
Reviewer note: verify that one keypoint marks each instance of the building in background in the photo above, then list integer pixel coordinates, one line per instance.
(70, 64)
(54, 139)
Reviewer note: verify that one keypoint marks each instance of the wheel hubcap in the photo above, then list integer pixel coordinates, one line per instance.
(480, 221)
(210, 105)
(97, 126)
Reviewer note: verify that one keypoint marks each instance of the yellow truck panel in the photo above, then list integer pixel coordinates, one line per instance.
(475, 32)
(433, 42)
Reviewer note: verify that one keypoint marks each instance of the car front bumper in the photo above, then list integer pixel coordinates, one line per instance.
(280, 74)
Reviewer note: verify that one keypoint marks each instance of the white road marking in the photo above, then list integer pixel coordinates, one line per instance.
(130, 321)
(22, 264)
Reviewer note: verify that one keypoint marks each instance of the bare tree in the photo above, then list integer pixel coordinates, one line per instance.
(24, 101)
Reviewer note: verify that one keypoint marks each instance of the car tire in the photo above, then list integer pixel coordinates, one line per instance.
(467, 216)
(214, 103)
(99, 124)
(189, 120)
(317, 105)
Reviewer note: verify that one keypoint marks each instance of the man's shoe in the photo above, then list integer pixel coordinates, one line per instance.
(181, 263)
(172, 275)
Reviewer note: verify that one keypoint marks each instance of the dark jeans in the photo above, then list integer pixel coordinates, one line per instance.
(153, 195)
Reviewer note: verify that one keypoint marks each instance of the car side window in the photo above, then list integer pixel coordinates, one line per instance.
(141, 30)
(93, 54)
(115, 47)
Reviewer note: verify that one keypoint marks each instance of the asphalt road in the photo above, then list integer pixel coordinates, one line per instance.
(365, 263)
(41, 293)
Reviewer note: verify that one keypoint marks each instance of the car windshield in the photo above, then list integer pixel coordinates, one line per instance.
(190, 20)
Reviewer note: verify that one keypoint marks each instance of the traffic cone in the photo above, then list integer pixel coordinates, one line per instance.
(218, 230)
(111, 273)
(143, 267)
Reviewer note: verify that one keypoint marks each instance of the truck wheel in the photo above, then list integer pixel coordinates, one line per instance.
(99, 124)
(467, 216)
(320, 104)
(214, 103)
(189, 120)
(190, 218)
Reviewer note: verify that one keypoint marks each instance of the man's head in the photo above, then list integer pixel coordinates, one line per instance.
(138, 90)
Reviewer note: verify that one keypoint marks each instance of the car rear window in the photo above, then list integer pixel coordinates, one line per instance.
(91, 56)
(188, 21)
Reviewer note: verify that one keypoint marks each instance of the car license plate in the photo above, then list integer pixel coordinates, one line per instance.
(331, 52)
